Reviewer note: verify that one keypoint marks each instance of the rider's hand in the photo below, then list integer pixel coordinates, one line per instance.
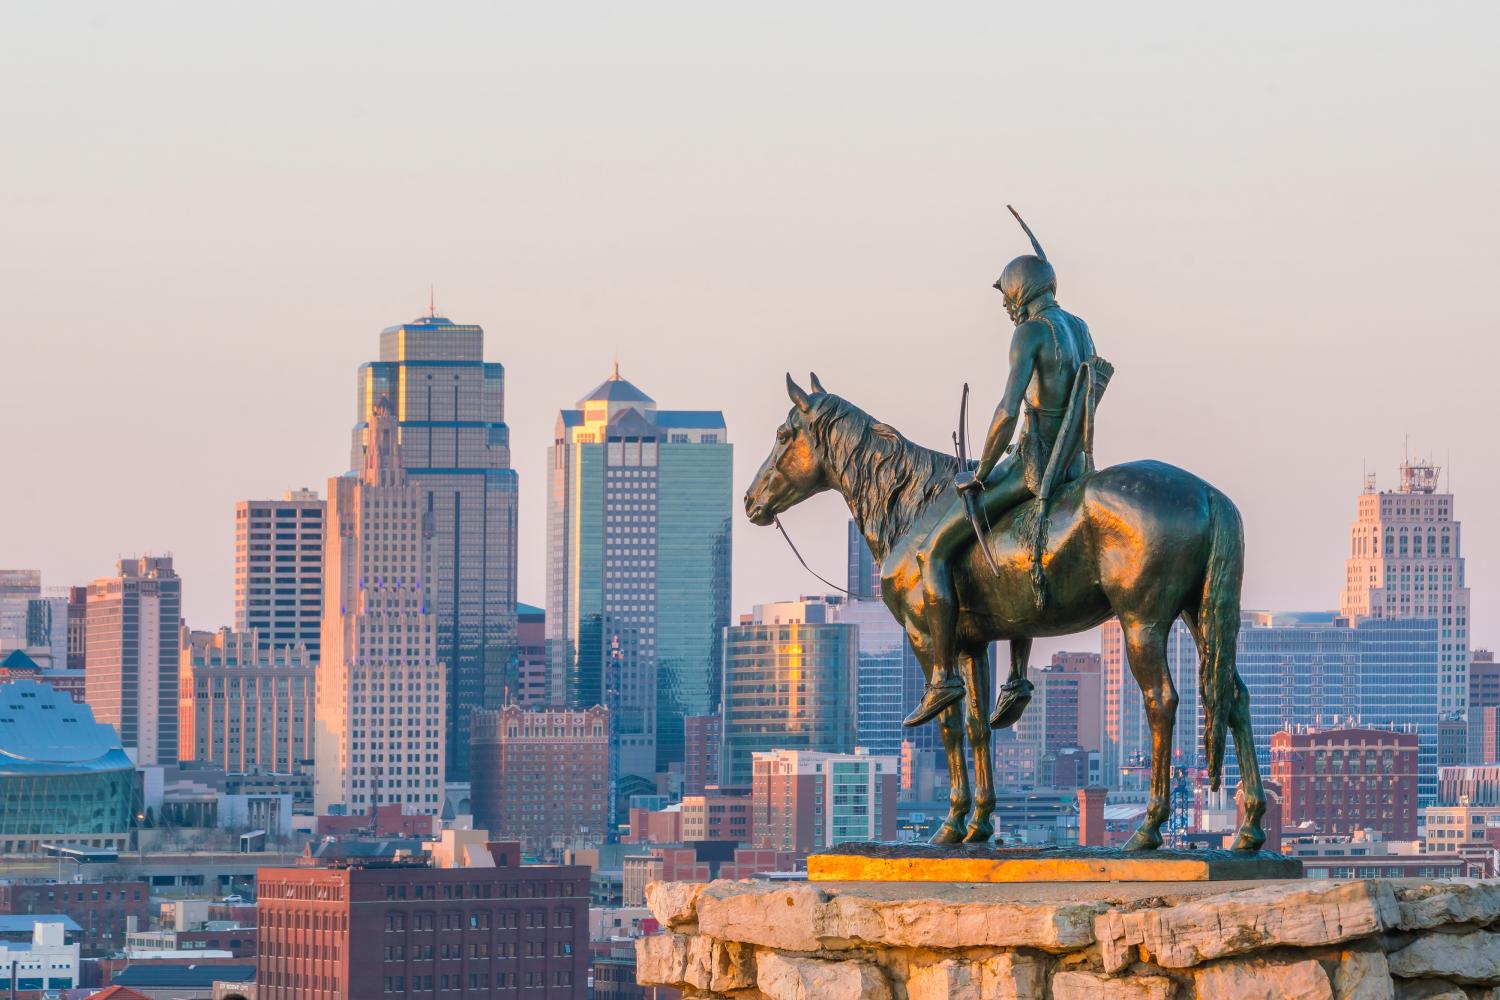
(966, 482)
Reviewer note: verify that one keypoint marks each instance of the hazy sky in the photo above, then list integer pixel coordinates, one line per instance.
(1279, 222)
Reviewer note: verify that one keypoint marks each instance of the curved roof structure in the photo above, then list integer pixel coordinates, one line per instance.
(43, 731)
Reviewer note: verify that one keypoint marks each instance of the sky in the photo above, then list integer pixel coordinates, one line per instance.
(1277, 220)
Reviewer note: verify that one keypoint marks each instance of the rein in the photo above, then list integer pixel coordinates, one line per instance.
(815, 573)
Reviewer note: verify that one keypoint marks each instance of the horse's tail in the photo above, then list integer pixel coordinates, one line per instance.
(1218, 622)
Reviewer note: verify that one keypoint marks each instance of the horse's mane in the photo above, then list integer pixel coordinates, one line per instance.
(887, 479)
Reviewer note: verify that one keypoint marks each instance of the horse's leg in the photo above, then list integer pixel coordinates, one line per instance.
(950, 728)
(975, 660)
(1250, 836)
(1146, 649)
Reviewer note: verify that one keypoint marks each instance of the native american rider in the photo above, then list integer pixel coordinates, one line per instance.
(1056, 376)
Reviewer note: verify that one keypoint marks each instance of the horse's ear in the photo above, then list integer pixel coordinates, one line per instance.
(817, 386)
(798, 396)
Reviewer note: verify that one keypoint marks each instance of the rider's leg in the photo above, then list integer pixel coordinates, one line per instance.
(939, 612)
(1015, 693)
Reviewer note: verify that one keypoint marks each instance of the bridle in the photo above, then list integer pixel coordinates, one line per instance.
(776, 519)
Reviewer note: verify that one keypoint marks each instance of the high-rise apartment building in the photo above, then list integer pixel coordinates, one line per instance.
(790, 677)
(1339, 781)
(804, 801)
(130, 674)
(381, 689)
(449, 407)
(278, 570)
(638, 562)
(542, 777)
(1406, 561)
(245, 708)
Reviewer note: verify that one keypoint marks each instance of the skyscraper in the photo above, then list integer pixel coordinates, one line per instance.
(243, 707)
(278, 570)
(449, 408)
(1405, 561)
(789, 684)
(130, 675)
(381, 688)
(638, 514)
(864, 571)
(17, 588)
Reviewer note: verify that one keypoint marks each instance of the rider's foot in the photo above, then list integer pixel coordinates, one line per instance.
(1015, 695)
(936, 698)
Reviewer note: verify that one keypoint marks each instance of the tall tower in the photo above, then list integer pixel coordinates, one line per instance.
(449, 410)
(382, 691)
(130, 675)
(278, 570)
(638, 514)
(1405, 561)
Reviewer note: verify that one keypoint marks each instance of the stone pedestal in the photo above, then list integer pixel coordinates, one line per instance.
(988, 863)
(1385, 939)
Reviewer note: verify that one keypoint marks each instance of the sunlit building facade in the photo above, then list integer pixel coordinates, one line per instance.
(449, 408)
(381, 687)
(130, 674)
(278, 570)
(790, 683)
(245, 708)
(638, 564)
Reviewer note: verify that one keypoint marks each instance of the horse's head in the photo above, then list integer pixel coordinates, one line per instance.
(794, 470)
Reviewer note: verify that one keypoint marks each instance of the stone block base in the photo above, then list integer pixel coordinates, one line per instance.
(988, 863)
(1385, 939)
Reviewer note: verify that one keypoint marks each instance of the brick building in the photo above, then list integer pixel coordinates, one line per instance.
(701, 737)
(1343, 780)
(717, 815)
(804, 801)
(99, 908)
(405, 929)
(542, 777)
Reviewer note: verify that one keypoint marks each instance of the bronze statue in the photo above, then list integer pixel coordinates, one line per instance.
(1143, 541)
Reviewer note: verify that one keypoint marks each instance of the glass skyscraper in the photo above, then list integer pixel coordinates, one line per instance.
(450, 412)
(638, 564)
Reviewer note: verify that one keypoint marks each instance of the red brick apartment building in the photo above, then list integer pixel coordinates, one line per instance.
(403, 929)
(1342, 780)
(100, 908)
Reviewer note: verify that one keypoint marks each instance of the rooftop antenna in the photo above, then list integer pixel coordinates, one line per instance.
(431, 302)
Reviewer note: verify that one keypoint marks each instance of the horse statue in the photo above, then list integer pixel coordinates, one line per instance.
(1143, 541)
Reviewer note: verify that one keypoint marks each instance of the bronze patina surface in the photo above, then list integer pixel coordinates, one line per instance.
(1143, 541)
(985, 863)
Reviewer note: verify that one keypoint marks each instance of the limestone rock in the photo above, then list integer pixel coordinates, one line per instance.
(783, 916)
(1428, 989)
(788, 977)
(1472, 957)
(674, 903)
(696, 962)
(1363, 974)
(1257, 979)
(1006, 976)
(1089, 986)
(1297, 914)
(1452, 901)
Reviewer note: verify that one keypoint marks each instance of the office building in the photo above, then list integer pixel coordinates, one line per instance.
(717, 815)
(864, 572)
(392, 929)
(1484, 708)
(130, 678)
(63, 776)
(1309, 670)
(278, 570)
(381, 690)
(1474, 784)
(449, 408)
(804, 801)
(1406, 561)
(18, 587)
(244, 707)
(638, 562)
(790, 677)
(527, 686)
(1066, 707)
(889, 680)
(542, 777)
(78, 628)
(703, 738)
(46, 962)
(1338, 781)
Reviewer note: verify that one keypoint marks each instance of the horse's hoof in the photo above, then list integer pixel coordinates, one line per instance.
(1143, 840)
(936, 698)
(948, 834)
(1011, 705)
(1249, 840)
(979, 834)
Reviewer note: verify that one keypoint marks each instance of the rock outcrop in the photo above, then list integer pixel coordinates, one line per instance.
(1372, 939)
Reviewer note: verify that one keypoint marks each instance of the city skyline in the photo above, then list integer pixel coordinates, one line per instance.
(1239, 259)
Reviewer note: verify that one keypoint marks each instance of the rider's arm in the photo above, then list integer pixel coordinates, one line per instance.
(1003, 426)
